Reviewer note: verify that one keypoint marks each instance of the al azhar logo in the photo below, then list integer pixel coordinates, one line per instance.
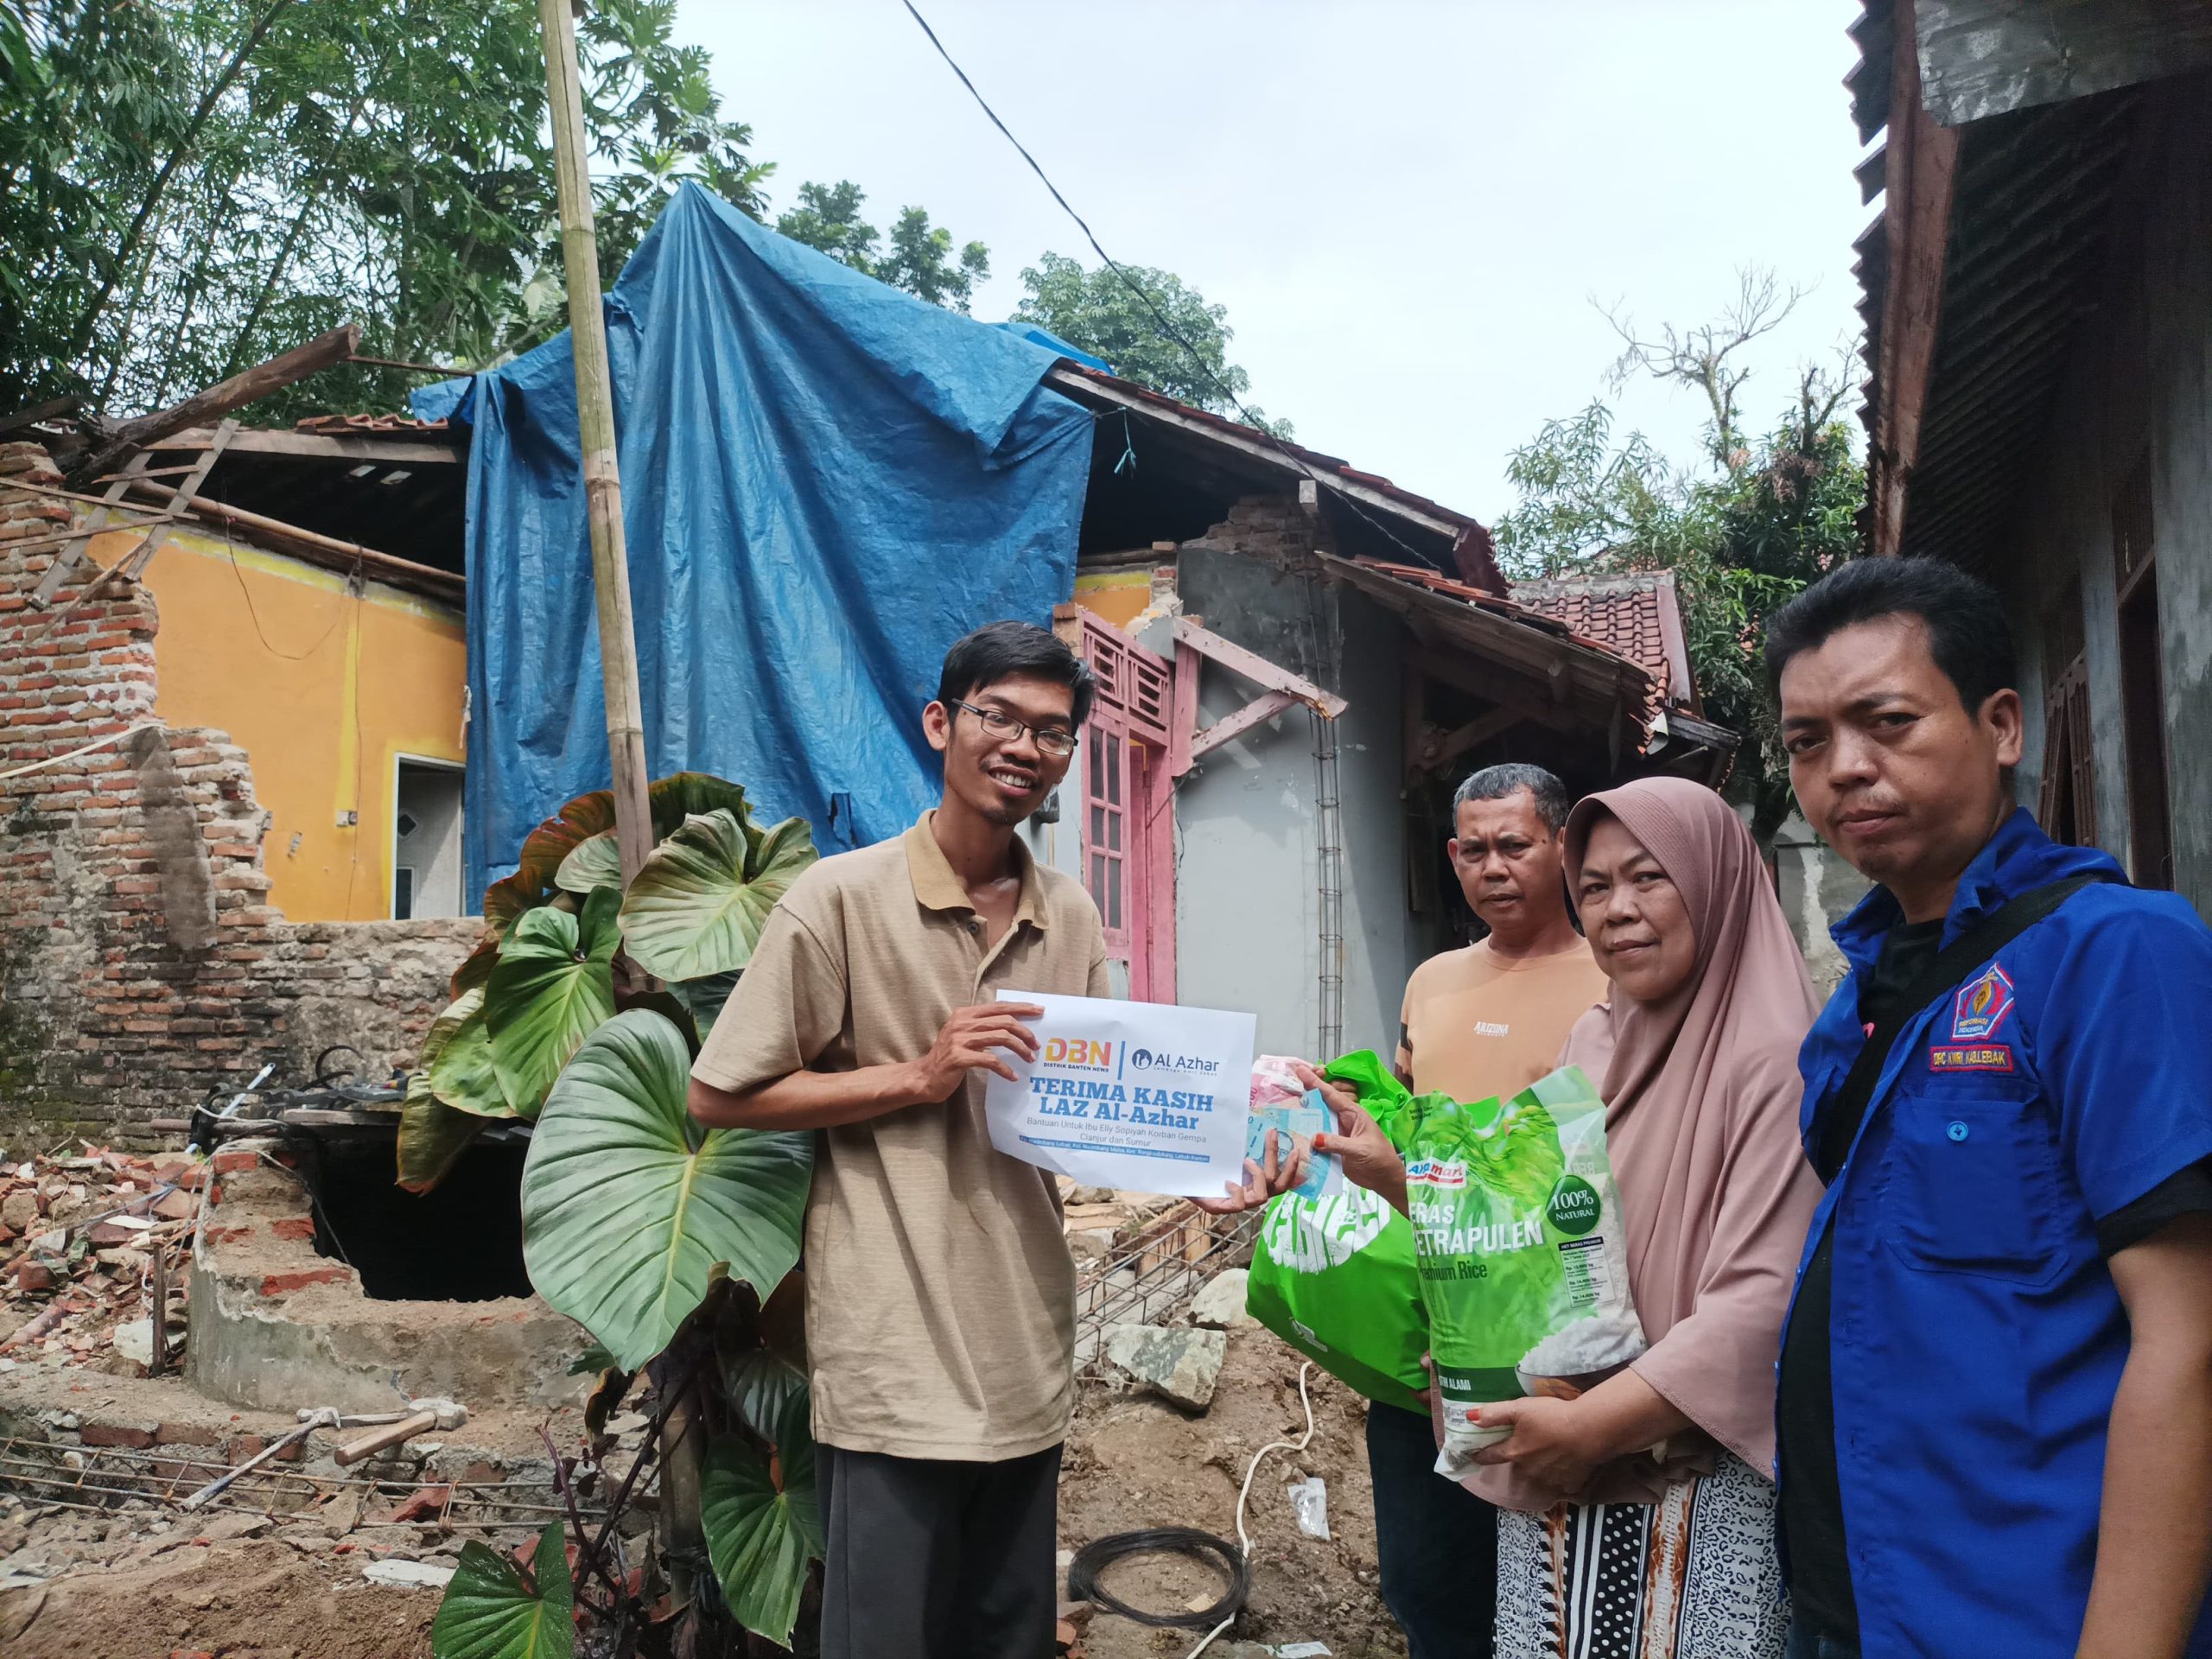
(1143, 1059)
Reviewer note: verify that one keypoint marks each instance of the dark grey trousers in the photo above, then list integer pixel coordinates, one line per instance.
(1435, 1542)
(934, 1560)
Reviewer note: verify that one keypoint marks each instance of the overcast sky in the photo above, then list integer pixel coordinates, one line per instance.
(1407, 207)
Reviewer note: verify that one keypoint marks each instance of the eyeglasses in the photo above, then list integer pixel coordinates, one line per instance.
(1055, 742)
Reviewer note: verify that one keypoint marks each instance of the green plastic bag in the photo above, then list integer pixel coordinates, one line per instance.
(1334, 1277)
(1522, 1262)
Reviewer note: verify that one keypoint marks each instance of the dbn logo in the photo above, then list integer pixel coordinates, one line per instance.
(1078, 1050)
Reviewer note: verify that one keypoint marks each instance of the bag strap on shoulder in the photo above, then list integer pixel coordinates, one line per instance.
(1943, 976)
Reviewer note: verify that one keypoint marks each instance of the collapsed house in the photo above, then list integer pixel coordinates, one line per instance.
(247, 729)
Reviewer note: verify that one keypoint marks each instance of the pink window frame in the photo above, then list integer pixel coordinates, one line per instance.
(1127, 830)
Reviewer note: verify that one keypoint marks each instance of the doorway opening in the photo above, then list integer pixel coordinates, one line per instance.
(426, 841)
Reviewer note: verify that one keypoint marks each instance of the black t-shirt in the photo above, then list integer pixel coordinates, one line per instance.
(1812, 1495)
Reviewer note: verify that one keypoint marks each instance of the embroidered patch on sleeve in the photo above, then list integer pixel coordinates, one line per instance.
(1980, 1007)
(1970, 1057)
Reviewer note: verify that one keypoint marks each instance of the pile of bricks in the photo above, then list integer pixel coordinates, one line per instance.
(140, 965)
(86, 1245)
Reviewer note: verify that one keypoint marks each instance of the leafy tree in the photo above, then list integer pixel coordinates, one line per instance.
(1743, 531)
(919, 258)
(1095, 311)
(189, 188)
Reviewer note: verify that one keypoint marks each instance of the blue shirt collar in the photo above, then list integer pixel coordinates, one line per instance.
(2018, 858)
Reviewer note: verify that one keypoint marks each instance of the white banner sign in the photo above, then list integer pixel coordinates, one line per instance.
(1137, 1096)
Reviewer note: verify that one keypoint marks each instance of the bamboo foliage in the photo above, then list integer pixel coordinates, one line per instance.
(190, 186)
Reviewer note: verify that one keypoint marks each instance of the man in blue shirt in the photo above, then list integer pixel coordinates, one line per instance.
(1995, 1405)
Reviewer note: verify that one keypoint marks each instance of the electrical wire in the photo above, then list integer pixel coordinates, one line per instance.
(1096, 1557)
(1244, 1538)
(1236, 1564)
(1157, 316)
(254, 616)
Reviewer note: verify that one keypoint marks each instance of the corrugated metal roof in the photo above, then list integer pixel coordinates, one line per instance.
(1869, 83)
(2030, 209)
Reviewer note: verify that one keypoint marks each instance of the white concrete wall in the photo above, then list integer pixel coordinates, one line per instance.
(1247, 882)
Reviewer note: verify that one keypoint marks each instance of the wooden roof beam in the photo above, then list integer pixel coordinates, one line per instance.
(1922, 163)
(223, 397)
(1084, 388)
(410, 450)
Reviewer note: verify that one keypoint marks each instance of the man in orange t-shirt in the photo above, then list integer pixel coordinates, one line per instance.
(1487, 1019)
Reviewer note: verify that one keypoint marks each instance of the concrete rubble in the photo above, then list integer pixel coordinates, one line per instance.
(1181, 1363)
(93, 1468)
(96, 1456)
(1101, 1222)
(1221, 1303)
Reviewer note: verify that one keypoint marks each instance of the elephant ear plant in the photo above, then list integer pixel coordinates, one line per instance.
(580, 1014)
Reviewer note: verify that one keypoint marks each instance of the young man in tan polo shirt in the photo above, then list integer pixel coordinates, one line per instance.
(940, 1318)
(1488, 1019)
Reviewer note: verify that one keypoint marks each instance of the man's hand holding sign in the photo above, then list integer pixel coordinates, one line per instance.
(1138, 1096)
(971, 1040)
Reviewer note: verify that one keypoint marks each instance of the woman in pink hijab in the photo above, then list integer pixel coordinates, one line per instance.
(1638, 1516)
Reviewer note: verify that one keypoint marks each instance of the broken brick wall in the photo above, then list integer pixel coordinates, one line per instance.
(140, 963)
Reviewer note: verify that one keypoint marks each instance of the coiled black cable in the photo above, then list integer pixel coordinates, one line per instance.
(1223, 1557)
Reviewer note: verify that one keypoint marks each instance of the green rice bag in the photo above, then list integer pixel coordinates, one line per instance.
(1520, 1259)
(1334, 1277)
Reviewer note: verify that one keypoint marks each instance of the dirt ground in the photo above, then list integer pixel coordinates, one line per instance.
(147, 1585)
(1134, 1461)
(245, 1598)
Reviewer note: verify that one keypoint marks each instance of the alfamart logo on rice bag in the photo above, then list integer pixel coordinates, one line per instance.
(1518, 1248)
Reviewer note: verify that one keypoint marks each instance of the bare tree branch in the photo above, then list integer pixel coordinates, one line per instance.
(1705, 358)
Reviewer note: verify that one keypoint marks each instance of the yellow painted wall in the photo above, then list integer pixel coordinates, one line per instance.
(324, 685)
(1115, 596)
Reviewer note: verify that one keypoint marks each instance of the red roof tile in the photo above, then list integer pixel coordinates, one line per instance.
(1637, 617)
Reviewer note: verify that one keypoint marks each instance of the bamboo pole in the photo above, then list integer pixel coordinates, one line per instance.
(610, 567)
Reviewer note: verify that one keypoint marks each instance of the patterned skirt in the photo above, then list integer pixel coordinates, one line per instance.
(1694, 1576)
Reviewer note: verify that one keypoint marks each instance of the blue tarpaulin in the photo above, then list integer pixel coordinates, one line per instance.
(825, 482)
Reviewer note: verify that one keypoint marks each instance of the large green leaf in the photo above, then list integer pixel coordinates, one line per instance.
(759, 1384)
(537, 864)
(548, 848)
(491, 1611)
(705, 997)
(475, 970)
(698, 905)
(594, 863)
(432, 1135)
(760, 1536)
(628, 1205)
(683, 795)
(457, 1056)
(554, 986)
(795, 1458)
